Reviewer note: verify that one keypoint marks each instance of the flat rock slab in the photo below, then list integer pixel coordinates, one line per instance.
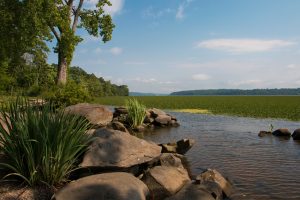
(96, 114)
(108, 186)
(118, 149)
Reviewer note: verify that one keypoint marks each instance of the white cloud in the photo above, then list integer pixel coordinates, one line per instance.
(116, 50)
(150, 12)
(115, 8)
(144, 80)
(135, 63)
(181, 8)
(179, 13)
(98, 50)
(244, 45)
(292, 66)
(252, 82)
(200, 77)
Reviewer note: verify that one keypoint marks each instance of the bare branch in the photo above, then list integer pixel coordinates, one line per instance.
(76, 15)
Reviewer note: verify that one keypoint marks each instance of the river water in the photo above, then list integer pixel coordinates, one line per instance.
(266, 168)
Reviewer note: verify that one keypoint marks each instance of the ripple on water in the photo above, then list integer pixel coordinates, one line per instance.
(265, 168)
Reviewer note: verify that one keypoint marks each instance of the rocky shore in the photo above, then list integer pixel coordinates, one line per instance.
(121, 166)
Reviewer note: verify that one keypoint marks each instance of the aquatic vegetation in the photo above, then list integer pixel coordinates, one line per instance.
(285, 107)
(136, 112)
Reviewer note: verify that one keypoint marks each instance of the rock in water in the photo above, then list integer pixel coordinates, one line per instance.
(282, 132)
(164, 181)
(97, 115)
(180, 147)
(112, 148)
(212, 175)
(296, 134)
(112, 186)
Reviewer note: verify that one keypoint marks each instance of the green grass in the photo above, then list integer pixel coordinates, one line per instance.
(284, 107)
(41, 146)
(136, 112)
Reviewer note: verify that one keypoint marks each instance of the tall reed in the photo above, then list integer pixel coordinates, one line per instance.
(41, 145)
(136, 112)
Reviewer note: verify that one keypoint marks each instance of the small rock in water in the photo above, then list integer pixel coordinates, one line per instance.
(282, 132)
(296, 134)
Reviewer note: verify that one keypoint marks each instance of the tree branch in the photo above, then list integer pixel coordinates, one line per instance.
(76, 15)
(57, 36)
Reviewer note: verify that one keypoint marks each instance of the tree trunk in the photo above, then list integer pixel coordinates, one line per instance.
(62, 70)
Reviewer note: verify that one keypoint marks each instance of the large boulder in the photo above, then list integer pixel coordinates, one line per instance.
(282, 132)
(164, 181)
(198, 192)
(296, 134)
(112, 186)
(181, 146)
(116, 125)
(112, 148)
(98, 115)
(212, 175)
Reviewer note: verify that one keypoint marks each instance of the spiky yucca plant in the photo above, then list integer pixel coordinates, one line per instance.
(41, 146)
(136, 112)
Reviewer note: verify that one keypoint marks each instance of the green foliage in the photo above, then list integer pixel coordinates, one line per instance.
(136, 112)
(284, 107)
(41, 146)
(66, 95)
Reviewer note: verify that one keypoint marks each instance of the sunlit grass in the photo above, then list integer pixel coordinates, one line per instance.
(194, 111)
(283, 107)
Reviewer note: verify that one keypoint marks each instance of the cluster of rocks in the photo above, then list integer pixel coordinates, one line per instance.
(282, 132)
(120, 166)
(154, 118)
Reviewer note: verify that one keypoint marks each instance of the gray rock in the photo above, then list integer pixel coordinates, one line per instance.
(181, 146)
(114, 148)
(212, 175)
(107, 186)
(198, 192)
(116, 125)
(98, 115)
(282, 132)
(264, 133)
(164, 181)
(156, 112)
(296, 134)
(163, 119)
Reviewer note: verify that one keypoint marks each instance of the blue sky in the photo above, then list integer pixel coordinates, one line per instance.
(163, 46)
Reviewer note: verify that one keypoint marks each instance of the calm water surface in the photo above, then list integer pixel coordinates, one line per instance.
(265, 168)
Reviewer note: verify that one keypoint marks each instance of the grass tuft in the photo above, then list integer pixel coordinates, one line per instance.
(41, 146)
(136, 112)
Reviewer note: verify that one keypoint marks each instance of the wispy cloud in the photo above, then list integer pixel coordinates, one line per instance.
(150, 12)
(244, 45)
(116, 50)
(135, 63)
(201, 77)
(181, 9)
(98, 50)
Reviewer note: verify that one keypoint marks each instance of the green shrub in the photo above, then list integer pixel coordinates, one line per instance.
(70, 94)
(41, 146)
(136, 112)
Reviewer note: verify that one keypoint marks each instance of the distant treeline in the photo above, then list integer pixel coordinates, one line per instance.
(281, 91)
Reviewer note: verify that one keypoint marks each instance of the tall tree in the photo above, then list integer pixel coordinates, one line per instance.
(63, 17)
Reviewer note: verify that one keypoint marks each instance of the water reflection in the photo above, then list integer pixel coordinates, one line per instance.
(261, 168)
